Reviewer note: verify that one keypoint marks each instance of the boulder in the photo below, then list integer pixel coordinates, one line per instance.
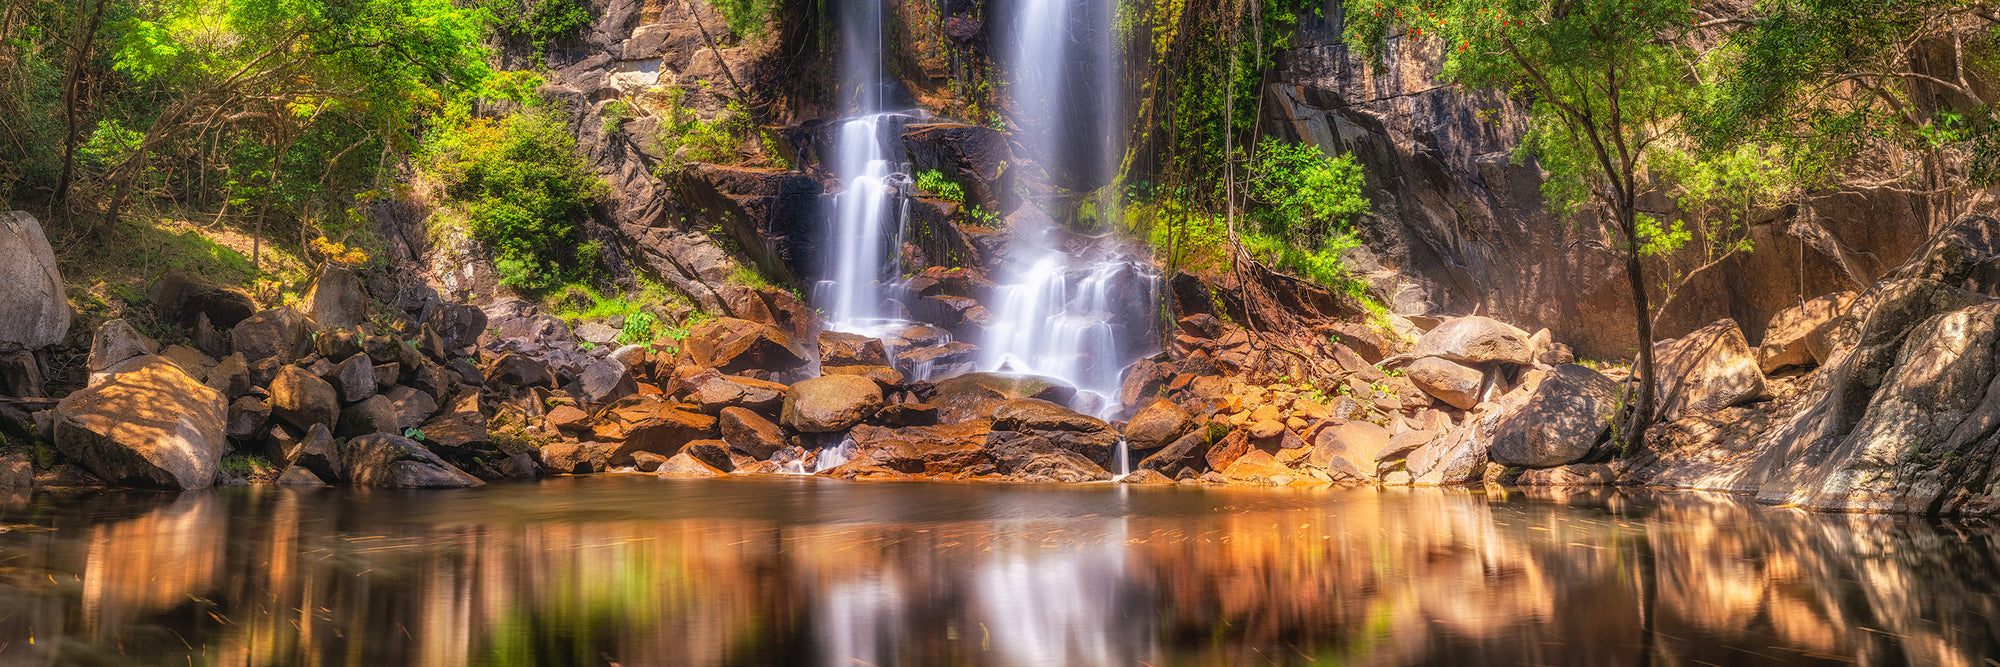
(296, 476)
(974, 395)
(882, 375)
(460, 427)
(714, 391)
(456, 325)
(185, 300)
(395, 462)
(733, 346)
(750, 433)
(647, 461)
(515, 370)
(231, 376)
(1226, 450)
(116, 341)
(519, 466)
(316, 452)
(1447, 381)
(1265, 467)
(604, 381)
(191, 360)
(279, 333)
(1554, 417)
(567, 417)
(715, 453)
(684, 465)
(644, 423)
(302, 400)
(34, 308)
(337, 343)
(1157, 425)
(1710, 368)
(577, 458)
(20, 374)
(1029, 414)
(398, 410)
(838, 348)
(336, 298)
(1353, 450)
(1189, 452)
(1575, 474)
(247, 416)
(1796, 336)
(830, 403)
(353, 378)
(907, 414)
(149, 425)
(1476, 340)
(1033, 458)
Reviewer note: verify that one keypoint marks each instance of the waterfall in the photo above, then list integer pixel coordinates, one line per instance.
(865, 233)
(1056, 314)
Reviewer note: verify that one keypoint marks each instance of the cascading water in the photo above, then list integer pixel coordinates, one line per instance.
(1054, 314)
(865, 231)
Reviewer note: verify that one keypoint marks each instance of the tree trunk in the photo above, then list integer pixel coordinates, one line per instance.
(72, 97)
(1635, 273)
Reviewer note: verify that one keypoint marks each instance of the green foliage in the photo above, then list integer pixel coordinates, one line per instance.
(539, 22)
(616, 114)
(684, 137)
(933, 181)
(641, 328)
(748, 277)
(521, 188)
(1310, 197)
(747, 18)
(413, 433)
(1181, 237)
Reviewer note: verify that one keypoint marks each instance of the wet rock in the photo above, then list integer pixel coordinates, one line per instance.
(316, 452)
(1158, 424)
(1554, 418)
(116, 341)
(302, 400)
(1353, 450)
(605, 380)
(279, 333)
(830, 403)
(150, 425)
(1796, 336)
(714, 391)
(750, 433)
(733, 345)
(1576, 474)
(1461, 456)
(1029, 414)
(1146, 476)
(1710, 368)
(296, 476)
(34, 308)
(395, 462)
(847, 349)
(1144, 380)
(975, 395)
(336, 298)
(247, 416)
(353, 378)
(578, 458)
(1476, 340)
(948, 353)
(1189, 452)
(16, 472)
(1447, 381)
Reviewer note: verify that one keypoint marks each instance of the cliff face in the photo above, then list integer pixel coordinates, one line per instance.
(1459, 228)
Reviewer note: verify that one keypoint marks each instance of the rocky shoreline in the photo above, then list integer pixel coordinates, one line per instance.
(1883, 401)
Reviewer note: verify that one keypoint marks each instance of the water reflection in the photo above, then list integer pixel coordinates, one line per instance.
(640, 571)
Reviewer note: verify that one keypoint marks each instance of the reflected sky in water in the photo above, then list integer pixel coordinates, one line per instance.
(634, 570)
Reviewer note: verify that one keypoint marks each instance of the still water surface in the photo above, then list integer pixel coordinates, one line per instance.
(635, 570)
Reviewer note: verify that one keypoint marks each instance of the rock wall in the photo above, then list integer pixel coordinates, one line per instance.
(1460, 228)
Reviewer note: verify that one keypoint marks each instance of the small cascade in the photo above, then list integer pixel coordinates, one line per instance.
(832, 457)
(866, 230)
(1124, 456)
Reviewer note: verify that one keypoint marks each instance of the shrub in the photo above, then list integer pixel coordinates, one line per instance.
(934, 182)
(521, 189)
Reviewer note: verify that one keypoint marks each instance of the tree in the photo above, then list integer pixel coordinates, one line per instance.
(1829, 78)
(1606, 81)
(278, 69)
